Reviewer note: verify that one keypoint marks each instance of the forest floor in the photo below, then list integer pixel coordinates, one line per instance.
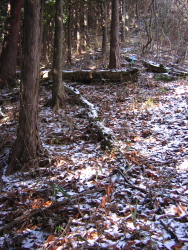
(134, 197)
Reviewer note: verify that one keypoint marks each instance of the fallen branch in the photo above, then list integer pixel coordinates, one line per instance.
(61, 235)
(88, 76)
(29, 214)
(105, 134)
(128, 184)
(154, 67)
(169, 230)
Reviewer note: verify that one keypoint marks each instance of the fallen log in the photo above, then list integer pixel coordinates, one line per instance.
(88, 76)
(154, 67)
(105, 134)
(178, 73)
(160, 68)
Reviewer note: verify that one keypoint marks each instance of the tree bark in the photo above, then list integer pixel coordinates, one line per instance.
(79, 49)
(3, 14)
(27, 146)
(114, 37)
(8, 60)
(57, 95)
(123, 39)
(88, 76)
(105, 30)
(44, 44)
(69, 58)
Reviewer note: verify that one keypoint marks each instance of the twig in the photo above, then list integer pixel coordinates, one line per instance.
(20, 219)
(168, 229)
(61, 235)
(123, 175)
(128, 182)
(175, 199)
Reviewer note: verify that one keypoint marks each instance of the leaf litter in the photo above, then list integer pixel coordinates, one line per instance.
(134, 197)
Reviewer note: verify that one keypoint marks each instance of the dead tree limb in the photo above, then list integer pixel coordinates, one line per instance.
(29, 214)
(105, 134)
(88, 76)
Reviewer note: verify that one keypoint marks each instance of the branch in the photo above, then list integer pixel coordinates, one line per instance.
(28, 214)
(128, 182)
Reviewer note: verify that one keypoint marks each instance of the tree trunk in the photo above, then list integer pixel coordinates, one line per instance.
(27, 145)
(102, 76)
(57, 95)
(79, 49)
(44, 44)
(3, 14)
(8, 59)
(69, 58)
(105, 30)
(86, 27)
(114, 37)
(123, 22)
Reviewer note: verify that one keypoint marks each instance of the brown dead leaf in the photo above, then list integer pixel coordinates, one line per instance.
(113, 235)
(51, 237)
(48, 203)
(107, 211)
(179, 210)
(175, 247)
(93, 235)
(27, 190)
(133, 160)
(137, 139)
(108, 190)
(163, 143)
(103, 203)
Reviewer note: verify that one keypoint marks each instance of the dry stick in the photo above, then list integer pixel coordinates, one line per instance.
(168, 229)
(176, 199)
(20, 219)
(61, 235)
(28, 215)
(129, 184)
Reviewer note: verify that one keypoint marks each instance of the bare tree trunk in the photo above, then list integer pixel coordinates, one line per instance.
(79, 49)
(44, 44)
(27, 146)
(105, 30)
(57, 94)
(69, 58)
(123, 39)
(114, 37)
(86, 27)
(8, 59)
(3, 14)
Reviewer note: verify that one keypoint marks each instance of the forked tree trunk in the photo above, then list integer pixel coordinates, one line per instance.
(8, 58)
(57, 94)
(114, 37)
(27, 145)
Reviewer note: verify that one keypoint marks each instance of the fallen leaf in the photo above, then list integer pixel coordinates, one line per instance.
(51, 237)
(103, 203)
(108, 190)
(48, 203)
